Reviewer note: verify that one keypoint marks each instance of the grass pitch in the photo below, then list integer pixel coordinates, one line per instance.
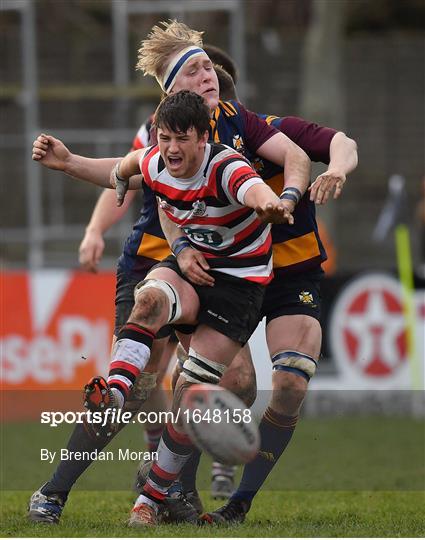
(274, 514)
(361, 477)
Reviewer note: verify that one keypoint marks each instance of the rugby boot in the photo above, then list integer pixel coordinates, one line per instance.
(45, 508)
(98, 395)
(143, 515)
(176, 508)
(195, 500)
(231, 513)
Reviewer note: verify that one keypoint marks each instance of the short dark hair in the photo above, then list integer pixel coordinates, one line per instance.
(221, 58)
(181, 111)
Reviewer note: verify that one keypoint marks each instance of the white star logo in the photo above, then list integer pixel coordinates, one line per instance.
(377, 331)
(368, 327)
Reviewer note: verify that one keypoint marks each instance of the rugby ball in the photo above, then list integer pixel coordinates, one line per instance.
(219, 423)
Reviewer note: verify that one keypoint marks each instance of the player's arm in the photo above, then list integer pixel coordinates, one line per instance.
(191, 261)
(53, 154)
(242, 184)
(105, 214)
(325, 145)
(130, 165)
(273, 145)
(126, 174)
(268, 206)
(343, 160)
(281, 150)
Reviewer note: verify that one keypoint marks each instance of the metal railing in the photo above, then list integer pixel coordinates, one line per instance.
(36, 233)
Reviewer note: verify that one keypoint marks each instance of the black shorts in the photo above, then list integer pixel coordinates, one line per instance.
(232, 306)
(293, 295)
(124, 302)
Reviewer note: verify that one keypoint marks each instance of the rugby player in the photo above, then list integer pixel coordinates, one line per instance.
(193, 180)
(105, 214)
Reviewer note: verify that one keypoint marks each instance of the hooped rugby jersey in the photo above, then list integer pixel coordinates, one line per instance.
(146, 244)
(209, 208)
(297, 247)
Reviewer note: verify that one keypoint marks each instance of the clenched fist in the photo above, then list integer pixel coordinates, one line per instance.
(50, 152)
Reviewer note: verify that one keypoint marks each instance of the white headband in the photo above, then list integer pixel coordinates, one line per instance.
(181, 58)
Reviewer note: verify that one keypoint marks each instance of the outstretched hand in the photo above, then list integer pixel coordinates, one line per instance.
(322, 187)
(50, 152)
(275, 213)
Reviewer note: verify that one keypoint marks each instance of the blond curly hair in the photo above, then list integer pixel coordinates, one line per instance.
(162, 44)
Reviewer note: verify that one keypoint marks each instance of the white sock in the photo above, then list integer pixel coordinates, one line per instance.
(141, 499)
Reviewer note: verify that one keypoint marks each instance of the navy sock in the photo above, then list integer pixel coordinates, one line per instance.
(276, 431)
(68, 471)
(188, 474)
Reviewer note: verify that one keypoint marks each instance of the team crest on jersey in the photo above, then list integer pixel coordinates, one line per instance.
(199, 208)
(238, 143)
(306, 297)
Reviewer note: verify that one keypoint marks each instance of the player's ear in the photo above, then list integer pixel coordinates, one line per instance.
(204, 138)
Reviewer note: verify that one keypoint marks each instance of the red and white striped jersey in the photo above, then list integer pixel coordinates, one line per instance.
(209, 207)
(141, 140)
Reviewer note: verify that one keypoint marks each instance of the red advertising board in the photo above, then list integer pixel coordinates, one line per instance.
(56, 328)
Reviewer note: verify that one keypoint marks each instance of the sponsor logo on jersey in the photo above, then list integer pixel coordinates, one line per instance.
(243, 179)
(204, 236)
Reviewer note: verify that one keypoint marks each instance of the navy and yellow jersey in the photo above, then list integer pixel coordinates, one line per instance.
(297, 247)
(146, 244)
